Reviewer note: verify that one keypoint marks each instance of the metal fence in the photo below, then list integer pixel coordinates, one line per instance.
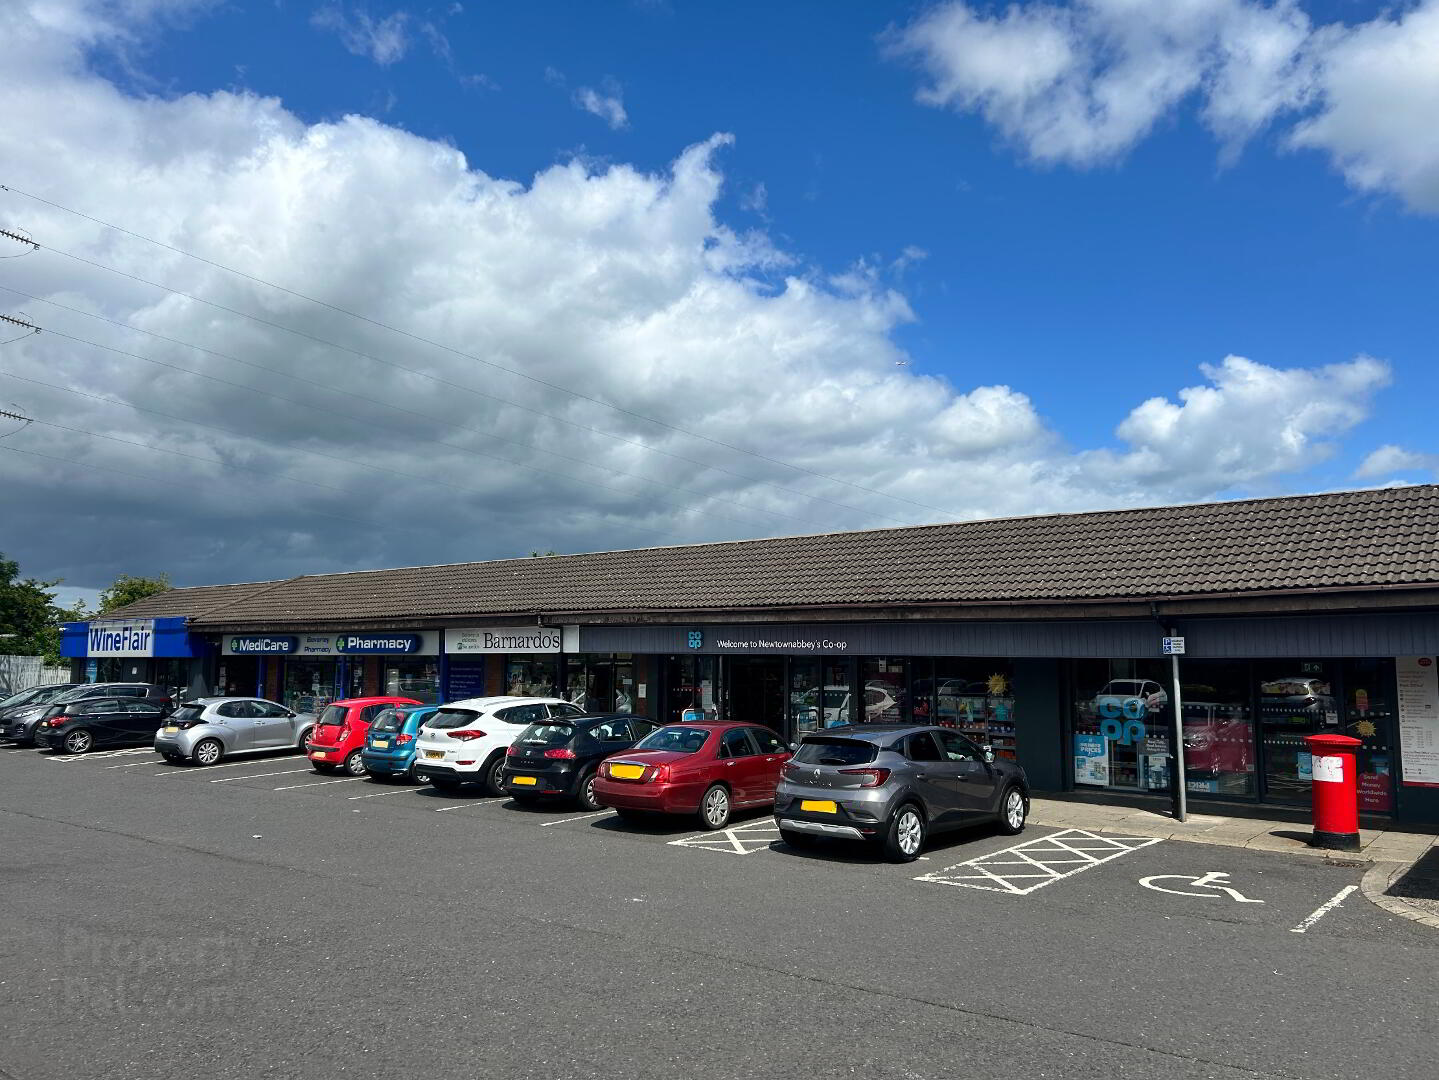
(23, 672)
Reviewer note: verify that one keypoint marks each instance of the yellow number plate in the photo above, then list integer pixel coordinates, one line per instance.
(381, 744)
(170, 729)
(627, 772)
(526, 780)
(819, 806)
(434, 755)
(320, 754)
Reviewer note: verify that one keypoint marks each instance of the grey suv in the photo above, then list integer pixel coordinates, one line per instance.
(893, 784)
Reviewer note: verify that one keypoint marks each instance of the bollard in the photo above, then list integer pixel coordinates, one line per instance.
(1335, 791)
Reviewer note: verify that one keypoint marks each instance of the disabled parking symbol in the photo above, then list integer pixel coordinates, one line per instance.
(1216, 880)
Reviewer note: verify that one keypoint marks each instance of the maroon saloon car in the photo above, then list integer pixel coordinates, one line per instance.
(709, 769)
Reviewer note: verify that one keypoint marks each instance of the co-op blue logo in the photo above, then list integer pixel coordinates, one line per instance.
(697, 639)
(1122, 721)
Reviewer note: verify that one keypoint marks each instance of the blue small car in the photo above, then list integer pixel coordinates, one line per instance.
(390, 743)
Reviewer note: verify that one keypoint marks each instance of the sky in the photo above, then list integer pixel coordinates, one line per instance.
(326, 286)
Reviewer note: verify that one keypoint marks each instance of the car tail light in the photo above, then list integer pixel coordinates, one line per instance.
(563, 752)
(400, 740)
(659, 774)
(344, 733)
(512, 751)
(467, 734)
(876, 776)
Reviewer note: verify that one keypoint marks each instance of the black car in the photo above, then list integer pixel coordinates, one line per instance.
(22, 700)
(20, 724)
(77, 727)
(558, 758)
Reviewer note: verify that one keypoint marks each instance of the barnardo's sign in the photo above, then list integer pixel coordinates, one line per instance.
(504, 639)
(272, 645)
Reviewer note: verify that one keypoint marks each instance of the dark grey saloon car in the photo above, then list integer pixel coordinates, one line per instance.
(894, 784)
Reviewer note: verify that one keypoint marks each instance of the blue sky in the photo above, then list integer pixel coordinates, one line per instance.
(1046, 207)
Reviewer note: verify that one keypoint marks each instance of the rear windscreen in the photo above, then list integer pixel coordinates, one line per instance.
(451, 718)
(835, 752)
(546, 735)
(334, 714)
(186, 713)
(388, 720)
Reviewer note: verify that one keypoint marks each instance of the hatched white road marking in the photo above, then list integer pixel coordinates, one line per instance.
(1323, 910)
(578, 817)
(1023, 868)
(322, 783)
(257, 776)
(102, 755)
(736, 840)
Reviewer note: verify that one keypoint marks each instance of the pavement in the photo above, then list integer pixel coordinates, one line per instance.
(256, 919)
(1403, 876)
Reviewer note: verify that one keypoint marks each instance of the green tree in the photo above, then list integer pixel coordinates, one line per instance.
(29, 617)
(128, 588)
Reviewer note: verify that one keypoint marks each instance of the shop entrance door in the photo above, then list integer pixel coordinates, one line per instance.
(754, 690)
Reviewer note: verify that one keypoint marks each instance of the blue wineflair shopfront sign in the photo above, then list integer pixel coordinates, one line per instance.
(165, 637)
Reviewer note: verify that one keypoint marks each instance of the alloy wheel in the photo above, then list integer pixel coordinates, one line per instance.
(716, 807)
(353, 765)
(1014, 810)
(208, 752)
(78, 742)
(911, 832)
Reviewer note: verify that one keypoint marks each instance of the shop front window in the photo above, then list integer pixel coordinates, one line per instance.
(974, 695)
(1296, 698)
(690, 686)
(1218, 728)
(884, 689)
(310, 684)
(804, 697)
(418, 679)
(837, 706)
(1121, 724)
(1369, 717)
(532, 677)
(602, 684)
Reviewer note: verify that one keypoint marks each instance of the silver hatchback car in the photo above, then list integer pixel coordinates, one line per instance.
(894, 784)
(210, 728)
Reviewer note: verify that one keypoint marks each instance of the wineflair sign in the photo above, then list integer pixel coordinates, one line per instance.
(504, 639)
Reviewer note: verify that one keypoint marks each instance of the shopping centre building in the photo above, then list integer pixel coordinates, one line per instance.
(1040, 636)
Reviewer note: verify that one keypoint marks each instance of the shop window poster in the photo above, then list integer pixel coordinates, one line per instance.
(1091, 760)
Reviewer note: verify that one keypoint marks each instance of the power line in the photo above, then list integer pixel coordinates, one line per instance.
(390, 406)
(470, 356)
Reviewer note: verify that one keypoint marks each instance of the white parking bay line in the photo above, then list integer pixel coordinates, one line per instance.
(258, 775)
(376, 795)
(1323, 910)
(229, 765)
(322, 783)
(580, 817)
(466, 805)
(1023, 868)
(130, 765)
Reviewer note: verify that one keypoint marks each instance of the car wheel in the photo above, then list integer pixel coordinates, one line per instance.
(495, 776)
(412, 776)
(715, 807)
(304, 738)
(354, 764)
(797, 839)
(1012, 812)
(208, 752)
(585, 793)
(79, 742)
(444, 783)
(905, 838)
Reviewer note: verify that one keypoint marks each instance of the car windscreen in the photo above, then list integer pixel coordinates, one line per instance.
(388, 720)
(452, 718)
(333, 714)
(676, 740)
(551, 734)
(21, 698)
(186, 713)
(79, 693)
(835, 752)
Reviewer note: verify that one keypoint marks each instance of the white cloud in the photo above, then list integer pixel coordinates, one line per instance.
(609, 106)
(383, 40)
(623, 284)
(1082, 84)
(1389, 459)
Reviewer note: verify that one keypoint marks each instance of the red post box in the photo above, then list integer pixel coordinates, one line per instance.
(1336, 791)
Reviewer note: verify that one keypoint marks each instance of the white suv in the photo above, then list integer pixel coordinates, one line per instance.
(465, 741)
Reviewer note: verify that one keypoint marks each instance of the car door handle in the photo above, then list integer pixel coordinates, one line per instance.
(729, 762)
(920, 775)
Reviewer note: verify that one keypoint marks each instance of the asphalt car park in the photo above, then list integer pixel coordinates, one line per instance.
(210, 921)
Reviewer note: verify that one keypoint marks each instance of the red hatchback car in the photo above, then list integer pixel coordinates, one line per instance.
(339, 733)
(706, 769)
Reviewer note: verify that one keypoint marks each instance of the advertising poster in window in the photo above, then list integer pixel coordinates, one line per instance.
(1091, 760)
(1418, 682)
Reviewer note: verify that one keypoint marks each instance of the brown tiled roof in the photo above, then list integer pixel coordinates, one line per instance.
(1388, 536)
(192, 601)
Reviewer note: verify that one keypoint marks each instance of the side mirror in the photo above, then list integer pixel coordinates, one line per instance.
(988, 754)
(793, 747)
